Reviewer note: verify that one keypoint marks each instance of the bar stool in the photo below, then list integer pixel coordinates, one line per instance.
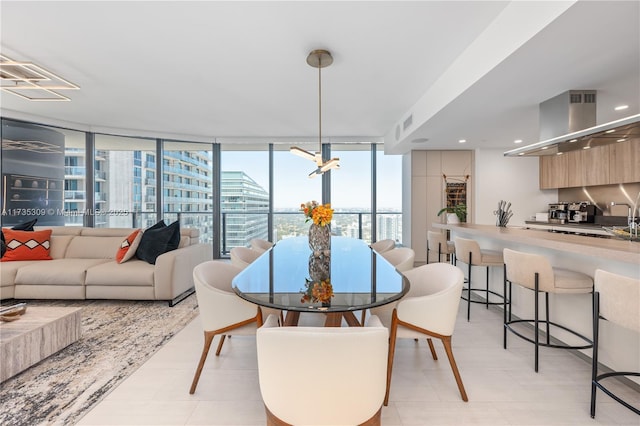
(437, 240)
(468, 251)
(615, 299)
(533, 271)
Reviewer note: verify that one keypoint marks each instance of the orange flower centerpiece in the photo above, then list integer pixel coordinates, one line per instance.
(319, 231)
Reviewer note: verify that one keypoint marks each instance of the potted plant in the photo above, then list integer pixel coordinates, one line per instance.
(455, 214)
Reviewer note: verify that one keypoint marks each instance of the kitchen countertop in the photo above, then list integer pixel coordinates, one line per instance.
(603, 248)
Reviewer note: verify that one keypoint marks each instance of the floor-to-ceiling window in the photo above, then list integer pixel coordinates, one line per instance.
(121, 187)
(351, 191)
(244, 194)
(388, 196)
(187, 186)
(292, 187)
(43, 174)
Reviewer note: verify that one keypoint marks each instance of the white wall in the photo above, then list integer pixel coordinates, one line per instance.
(512, 179)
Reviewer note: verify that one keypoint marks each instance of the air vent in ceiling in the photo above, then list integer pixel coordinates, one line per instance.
(407, 122)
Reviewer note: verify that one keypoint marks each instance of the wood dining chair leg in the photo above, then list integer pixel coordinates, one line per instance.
(208, 338)
(446, 341)
(222, 337)
(432, 349)
(392, 348)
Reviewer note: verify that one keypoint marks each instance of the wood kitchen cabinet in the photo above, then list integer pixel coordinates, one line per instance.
(624, 161)
(554, 171)
(588, 167)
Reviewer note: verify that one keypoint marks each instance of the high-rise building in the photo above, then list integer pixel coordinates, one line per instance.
(244, 205)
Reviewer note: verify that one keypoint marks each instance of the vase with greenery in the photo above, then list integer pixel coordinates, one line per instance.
(460, 210)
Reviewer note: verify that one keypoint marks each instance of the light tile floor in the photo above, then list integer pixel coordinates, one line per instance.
(502, 387)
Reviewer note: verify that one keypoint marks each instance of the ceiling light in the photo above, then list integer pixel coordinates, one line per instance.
(610, 131)
(318, 59)
(462, 141)
(586, 147)
(621, 107)
(518, 141)
(545, 147)
(522, 153)
(32, 82)
(621, 140)
(559, 153)
(573, 140)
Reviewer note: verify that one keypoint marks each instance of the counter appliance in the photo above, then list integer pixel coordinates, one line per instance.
(582, 212)
(558, 212)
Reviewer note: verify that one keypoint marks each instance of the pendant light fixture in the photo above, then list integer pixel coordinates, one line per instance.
(318, 59)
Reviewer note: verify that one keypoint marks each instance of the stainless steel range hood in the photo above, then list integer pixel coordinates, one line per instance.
(567, 123)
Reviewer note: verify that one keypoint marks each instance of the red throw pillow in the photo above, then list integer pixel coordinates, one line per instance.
(27, 245)
(128, 247)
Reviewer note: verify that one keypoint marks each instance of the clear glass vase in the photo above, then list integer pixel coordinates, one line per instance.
(319, 238)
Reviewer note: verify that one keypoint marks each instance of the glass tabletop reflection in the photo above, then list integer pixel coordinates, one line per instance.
(361, 278)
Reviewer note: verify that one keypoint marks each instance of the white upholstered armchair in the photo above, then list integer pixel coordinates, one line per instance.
(222, 312)
(429, 309)
(322, 375)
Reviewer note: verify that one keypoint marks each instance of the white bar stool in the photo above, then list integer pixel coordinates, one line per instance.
(533, 271)
(468, 251)
(437, 241)
(615, 299)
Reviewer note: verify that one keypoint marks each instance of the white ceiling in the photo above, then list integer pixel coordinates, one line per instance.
(237, 71)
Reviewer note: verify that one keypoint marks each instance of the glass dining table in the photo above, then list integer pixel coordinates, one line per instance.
(360, 277)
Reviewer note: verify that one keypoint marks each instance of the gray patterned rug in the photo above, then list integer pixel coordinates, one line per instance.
(117, 338)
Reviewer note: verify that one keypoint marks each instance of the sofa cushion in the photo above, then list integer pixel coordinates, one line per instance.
(59, 244)
(135, 272)
(157, 240)
(8, 271)
(129, 246)
(27, 245)
(56, 272)
(89, 247)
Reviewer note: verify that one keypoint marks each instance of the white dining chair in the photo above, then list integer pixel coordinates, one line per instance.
(429, 309)
(322, 375)
(402, 258)
(241, 257)
(222, 312)
(383, 245)
(437, 243)
(259, 244)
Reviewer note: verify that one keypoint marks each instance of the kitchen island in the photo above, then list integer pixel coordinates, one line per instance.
(620, 348)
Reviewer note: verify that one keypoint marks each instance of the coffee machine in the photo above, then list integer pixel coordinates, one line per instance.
(582, 212)
(558, 212)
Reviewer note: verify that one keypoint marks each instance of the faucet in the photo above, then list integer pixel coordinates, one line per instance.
(631, 218)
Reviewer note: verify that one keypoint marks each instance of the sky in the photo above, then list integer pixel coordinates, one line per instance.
(350, 184)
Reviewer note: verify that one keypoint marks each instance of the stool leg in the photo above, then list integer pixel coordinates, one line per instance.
(487, 291)
(439, 252)
(594, 361)
(504, 310)
(535, 322)
(427, 252)
(546, 302)
(469, 289)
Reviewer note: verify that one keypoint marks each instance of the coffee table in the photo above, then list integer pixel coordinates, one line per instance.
(39, 333)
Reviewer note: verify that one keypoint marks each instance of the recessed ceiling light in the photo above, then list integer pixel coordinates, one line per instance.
(586, 147)
(610, 131)
(518, 141)
(621, 140)
(573, 140)
(462, 141)
(522, 153)
(559, 153)
(621, 107)
(420, 140)
(545, 147)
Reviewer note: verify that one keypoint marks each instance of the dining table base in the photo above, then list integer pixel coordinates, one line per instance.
(332, 319)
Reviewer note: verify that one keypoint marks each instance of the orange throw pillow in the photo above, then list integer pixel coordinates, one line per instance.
(129, 246)
(27, 245)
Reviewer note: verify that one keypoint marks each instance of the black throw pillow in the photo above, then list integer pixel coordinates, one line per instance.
(157, 240)
(26, 226)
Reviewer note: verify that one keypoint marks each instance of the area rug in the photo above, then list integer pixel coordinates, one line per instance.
(117, 338)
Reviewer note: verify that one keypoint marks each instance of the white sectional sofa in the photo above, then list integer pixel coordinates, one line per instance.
(84, 267)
